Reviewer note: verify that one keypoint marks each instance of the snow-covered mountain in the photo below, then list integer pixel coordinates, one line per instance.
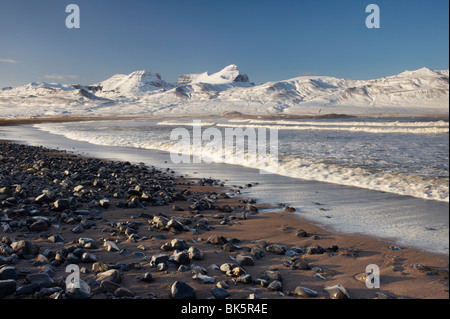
(137, 82)
(422, 92)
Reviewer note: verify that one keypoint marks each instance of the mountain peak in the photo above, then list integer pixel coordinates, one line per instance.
(420, 72)
(144, 74)
(228, 74)
(135, 82)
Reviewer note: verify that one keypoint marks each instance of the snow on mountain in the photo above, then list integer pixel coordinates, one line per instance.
(135, 83)
(422, 92)
(228, 75)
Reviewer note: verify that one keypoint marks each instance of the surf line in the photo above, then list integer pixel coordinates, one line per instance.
(236, 146)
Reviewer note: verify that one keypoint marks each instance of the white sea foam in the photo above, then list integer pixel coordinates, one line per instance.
(356, 128)
(439, 123)
(360, 162)
(436, 127)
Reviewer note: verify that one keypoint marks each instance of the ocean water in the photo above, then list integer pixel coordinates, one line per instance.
(385, 178)
(402, 157)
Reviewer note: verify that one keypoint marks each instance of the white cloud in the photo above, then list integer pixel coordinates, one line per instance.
(61, 76)
(8, 60)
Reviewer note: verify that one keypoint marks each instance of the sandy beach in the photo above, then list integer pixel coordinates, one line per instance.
(275, 252)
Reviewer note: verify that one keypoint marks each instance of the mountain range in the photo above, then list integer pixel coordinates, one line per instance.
(422, 92)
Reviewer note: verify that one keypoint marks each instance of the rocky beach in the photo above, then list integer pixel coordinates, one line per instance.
(139, 232)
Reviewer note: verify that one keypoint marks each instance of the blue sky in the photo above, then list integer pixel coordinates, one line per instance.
(268, 40)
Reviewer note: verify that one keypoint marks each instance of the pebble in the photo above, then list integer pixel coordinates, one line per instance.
(243, 260)
(181, 290)
(123, 292)
(276, 249)
(8, 272)
(204, 278)
(7, 287)
(111, 275)
(81, 290)
(147, 277)
(305, 292)
(275, 285)
(220, 293)
(245, 279)
(337, 292)
(43, 280)
(195, 253)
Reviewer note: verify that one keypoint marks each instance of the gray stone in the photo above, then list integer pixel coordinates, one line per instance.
(160, 222)
(55, 239)
(7, 287)
(104, 203)
(88, 258)
(111, 246)
(275, 285)
(147, 277)
(204, 278)
(99, 267)
(24, 248)
(276, 249)
(251, 208)
(41, 279)
(62, 204)
(195, 253)
(123, 292)
(257, 252)
(77, 229)
(179, 244)
(162, 266)
(243, 260)
(227, 267)
(337, 292)
(301, 264)
(85, 240)
(272, 275)
(181, 290)
(301, 233)
(216, 240)
(27, 289)
(174, 224)
(79, 290)
(349, 252)
(39, 225)
(8, 272)
(316, 249)
(111, 275)
(305, 292)
(159, 258)
(181, 258)
(109, 286)
(43, 198)
(220, 293)
(223, 284)
(42, 260)
(245, 279)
